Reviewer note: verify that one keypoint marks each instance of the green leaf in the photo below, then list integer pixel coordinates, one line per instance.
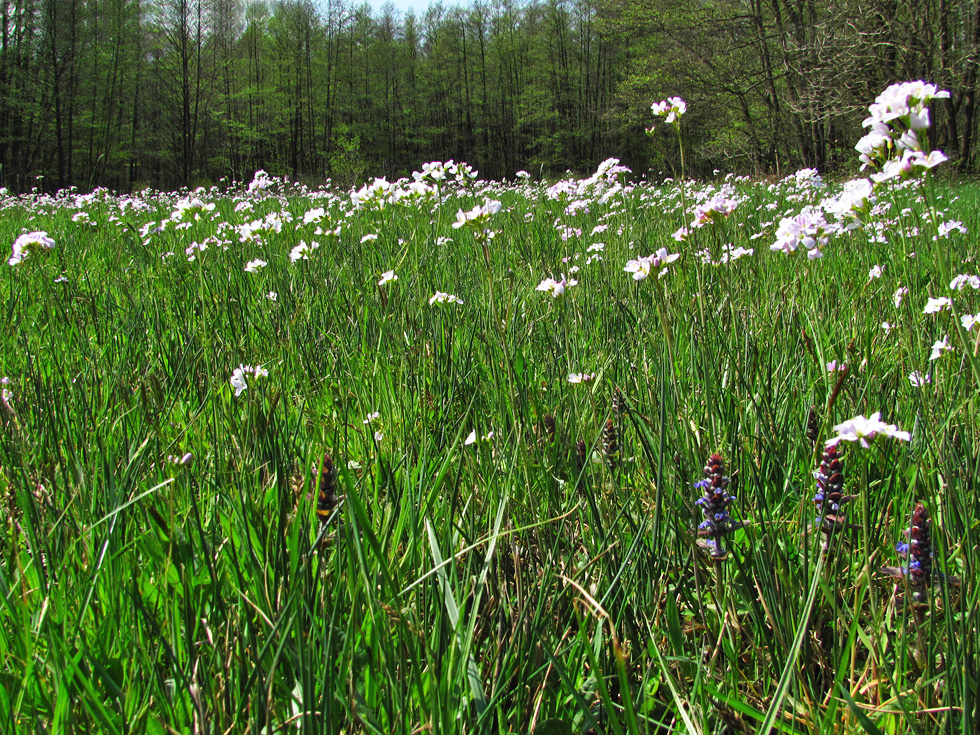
(554, 726)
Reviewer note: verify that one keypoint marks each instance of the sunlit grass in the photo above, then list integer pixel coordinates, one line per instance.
(530, 577)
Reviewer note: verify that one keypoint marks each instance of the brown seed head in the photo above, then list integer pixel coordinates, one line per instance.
(610, 442)
(549, 426)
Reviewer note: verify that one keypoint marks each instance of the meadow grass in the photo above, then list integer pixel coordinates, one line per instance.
(164, 569)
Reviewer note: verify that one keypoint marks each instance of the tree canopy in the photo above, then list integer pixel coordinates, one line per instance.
(165, 93)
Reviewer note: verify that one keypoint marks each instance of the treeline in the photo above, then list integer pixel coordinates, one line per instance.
(129, 93)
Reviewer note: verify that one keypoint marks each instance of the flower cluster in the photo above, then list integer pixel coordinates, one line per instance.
(900, 293)
(437, 172)
(714, 505)
(812, 430)
(184, 460)
(556, 288)
(375, 195)
(829, 498)
(866, 430)
(729, 254)
(963, 280)
(191, 209)
(936, 305)
(715, 209)
(252, 231)
(478, 216)
(29, 244)
(303, 250)
(314, 215)
(643, 267)
(240, 377)
(809, 228)
(941, 347)
(918, 380)
(671, 109)
(604, 183)
(6, 395)
(894, 143)
(853, 205)
(260, 182)
(917, 553)
(444, 298)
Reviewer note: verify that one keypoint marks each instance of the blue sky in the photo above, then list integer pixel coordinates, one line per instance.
(419, 6)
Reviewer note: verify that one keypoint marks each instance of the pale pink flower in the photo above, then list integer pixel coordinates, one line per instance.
(472, 438)
(670, 109)
(907, 100)
(945, 228)
(939, 347)
(556, 288)
(314, 215)
(29, 244)
(444, 298)
(716, 208)
(240, 377)
(809, 228)
(934, 306)
(918, 380)
(900, 293)
(479, 215)
(303, 251)
(642, 267)
(963, 280)
(865, 430)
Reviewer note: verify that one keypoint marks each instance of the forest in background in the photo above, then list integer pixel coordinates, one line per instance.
(167, 93)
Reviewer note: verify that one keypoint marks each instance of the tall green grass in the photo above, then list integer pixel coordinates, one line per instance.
(498, 586)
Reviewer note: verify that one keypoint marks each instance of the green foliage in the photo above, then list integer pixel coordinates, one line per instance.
(518, 582)
(346, 164)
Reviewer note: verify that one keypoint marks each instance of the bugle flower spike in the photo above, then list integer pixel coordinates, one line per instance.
(917, 553)
(829, 497)
(714, 504)
(325, 481)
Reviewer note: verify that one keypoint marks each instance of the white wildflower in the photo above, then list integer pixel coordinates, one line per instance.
(865, 430)
(936, 305)
(939, 347)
